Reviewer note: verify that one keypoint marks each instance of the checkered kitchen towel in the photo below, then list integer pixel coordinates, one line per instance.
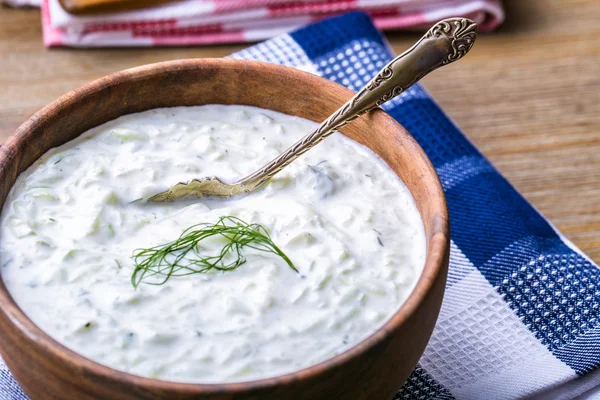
(198, 22)
(520, 314)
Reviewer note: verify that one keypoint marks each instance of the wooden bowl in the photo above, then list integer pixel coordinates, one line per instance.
(373, 369)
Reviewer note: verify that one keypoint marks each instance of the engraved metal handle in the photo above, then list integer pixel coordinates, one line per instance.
(447, 41)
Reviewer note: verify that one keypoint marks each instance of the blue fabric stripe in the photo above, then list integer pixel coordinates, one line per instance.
(420, 385)
(557, 296)
(9, 388)
(320, 38)
(438, 136)
(582, 353)
(487, 215)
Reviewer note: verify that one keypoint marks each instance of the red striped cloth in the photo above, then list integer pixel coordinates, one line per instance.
(198, 22)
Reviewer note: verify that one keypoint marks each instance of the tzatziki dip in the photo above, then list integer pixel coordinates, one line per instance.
(73, 220)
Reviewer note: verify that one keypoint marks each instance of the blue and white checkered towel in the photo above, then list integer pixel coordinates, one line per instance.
(520, 313)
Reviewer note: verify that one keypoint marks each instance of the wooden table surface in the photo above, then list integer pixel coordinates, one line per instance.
(528, 95)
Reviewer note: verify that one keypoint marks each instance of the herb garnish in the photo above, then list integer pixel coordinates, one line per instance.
(378, 237)
(184, 256)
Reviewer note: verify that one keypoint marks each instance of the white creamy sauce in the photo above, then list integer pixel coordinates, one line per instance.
(73, 219)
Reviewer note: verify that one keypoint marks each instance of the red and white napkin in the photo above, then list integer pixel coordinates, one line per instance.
(199, 22)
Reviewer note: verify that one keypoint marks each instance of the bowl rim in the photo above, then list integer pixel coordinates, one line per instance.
(436, 251)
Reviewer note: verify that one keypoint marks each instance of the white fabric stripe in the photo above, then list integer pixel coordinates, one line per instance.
(379, 3)
(462, 295)
(266, 24)
(537, 369)
(234, 21)
(280, 50)
(460, 266)
(480, 345)
(437, 13)
(122, 38)
(586, 387)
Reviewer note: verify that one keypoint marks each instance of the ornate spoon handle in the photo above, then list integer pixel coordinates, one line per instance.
(444, 43)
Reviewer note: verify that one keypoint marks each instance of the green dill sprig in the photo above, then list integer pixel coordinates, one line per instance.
(186, 256)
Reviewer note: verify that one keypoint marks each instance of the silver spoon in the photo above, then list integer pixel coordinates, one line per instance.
(446, 42)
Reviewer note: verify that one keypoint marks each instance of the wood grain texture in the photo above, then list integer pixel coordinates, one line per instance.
(374, 369)
(527, 95)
